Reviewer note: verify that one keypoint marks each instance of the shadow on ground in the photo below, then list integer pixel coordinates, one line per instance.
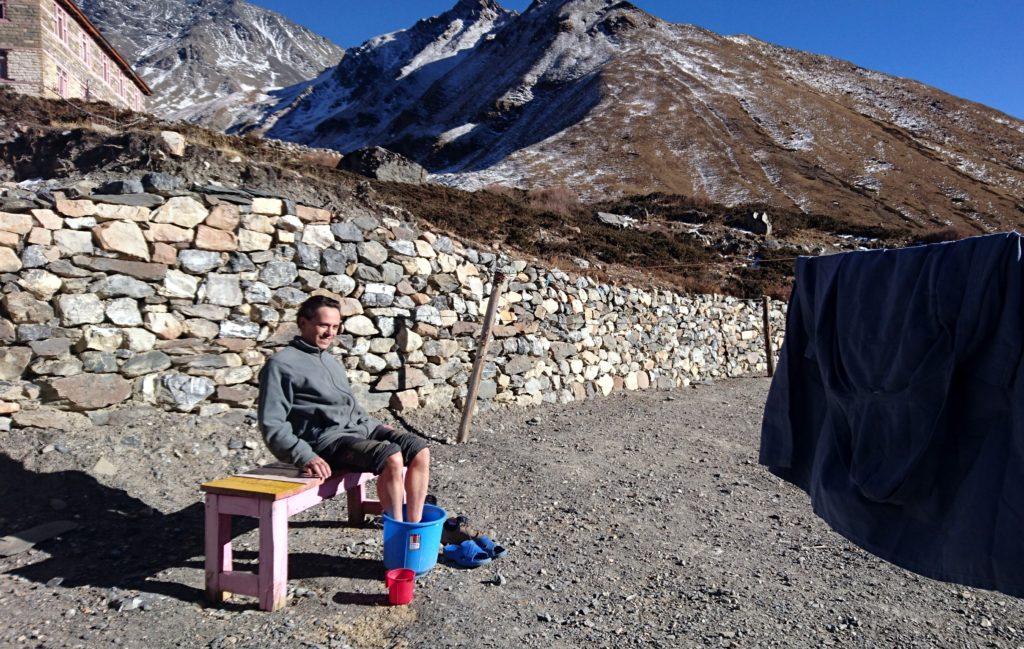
(121, 542)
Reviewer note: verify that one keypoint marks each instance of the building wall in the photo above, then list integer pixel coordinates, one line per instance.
(21, 36)
(185, 324)
(39, 57)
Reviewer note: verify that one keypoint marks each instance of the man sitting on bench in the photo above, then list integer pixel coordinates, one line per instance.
(310, 418)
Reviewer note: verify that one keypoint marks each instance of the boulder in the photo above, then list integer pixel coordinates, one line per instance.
(9, 261)
(183, 211)
(136, 269)
(124, 237)
(360, 325)
(405, 400)
(16, 223)
(98, 362)
(347, 231)
(372, 253)
(223, 290)
(405, 379)
(179, 284)
(240, 396)
(223, 217)
(73, 242)
(184, 392)
(48, 219)
(164, 325)
(208, 238)
(102, 339)
(75, 208)
(79, 309)
(319, 236)
(340, 284)
(408, 340)
(270, 206)
(239, 329)
(167, 233)
(24, 308)
(313, 214)
(199, 262)
(88, 391)
(159, 183)
(250, 241)
(123, 186)
(136, 213)
(172, 143)
(276, 274)
(70, 366)
(146, 363)
(13, 361)
(377, 162)
(124, 311)
(52, 418)
(122, 286)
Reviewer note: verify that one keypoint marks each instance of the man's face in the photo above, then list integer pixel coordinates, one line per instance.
(321, 329)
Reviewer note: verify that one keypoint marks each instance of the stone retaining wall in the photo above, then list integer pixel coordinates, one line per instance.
(144, 290)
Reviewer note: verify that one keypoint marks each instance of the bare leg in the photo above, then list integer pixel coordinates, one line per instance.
(389, 487)
(417, 478)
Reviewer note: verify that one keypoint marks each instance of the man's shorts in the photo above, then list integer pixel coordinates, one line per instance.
(355, 454)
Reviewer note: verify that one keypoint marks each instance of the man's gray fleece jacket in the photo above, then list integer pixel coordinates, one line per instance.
(306, 403)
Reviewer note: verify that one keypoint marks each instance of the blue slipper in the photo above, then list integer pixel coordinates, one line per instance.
(492, 549)
(466, 554)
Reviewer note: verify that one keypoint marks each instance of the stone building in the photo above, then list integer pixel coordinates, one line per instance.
(50, 48)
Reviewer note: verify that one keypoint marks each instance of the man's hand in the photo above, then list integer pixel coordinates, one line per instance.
(318, 468)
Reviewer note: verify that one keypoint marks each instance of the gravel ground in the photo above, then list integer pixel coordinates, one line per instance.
(638, 519)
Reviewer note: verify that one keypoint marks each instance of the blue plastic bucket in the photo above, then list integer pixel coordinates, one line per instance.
(414, 545)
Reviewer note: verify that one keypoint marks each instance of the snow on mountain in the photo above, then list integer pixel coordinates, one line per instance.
(606, 99)
(359, 102)
(209, 61)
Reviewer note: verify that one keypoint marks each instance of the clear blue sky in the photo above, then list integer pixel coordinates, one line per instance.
(970, 48)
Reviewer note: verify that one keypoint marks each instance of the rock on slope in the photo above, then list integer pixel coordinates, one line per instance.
(206, 60)
(607, 99)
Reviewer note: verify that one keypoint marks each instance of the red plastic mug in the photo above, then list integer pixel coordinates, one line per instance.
(400, 583)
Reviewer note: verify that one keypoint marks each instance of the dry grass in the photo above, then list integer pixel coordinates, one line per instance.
(558, 199)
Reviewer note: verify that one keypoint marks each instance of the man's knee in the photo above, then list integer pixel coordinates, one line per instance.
(393, 463)
(421, 459)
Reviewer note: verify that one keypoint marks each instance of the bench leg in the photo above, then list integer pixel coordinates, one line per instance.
(273, 575)
(356, 496)
(218, 549)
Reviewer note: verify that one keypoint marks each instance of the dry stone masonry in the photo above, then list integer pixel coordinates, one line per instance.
(145, 290)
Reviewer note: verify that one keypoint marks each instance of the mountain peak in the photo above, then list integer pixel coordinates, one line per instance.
(208, 59)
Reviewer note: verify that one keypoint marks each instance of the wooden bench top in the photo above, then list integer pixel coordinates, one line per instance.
(271, 482)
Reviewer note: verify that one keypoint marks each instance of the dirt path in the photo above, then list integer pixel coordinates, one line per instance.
(639, 519)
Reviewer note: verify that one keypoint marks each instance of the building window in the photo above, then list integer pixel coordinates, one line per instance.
(61, 24)
(62, 81)
(4, 67)
(84, 48)
(106, 71)
(3, 11)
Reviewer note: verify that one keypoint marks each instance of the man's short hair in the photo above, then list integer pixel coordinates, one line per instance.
(309, 308)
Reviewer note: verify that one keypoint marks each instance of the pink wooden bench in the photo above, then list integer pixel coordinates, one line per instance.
(271, 494)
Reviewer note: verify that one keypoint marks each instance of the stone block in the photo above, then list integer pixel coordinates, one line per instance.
(122, 236)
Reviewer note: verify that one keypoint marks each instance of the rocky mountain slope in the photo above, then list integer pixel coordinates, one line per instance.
(206, 60)
(609, 100)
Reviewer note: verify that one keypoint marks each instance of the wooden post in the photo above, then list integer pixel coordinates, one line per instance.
(481, 357)
(765, 307)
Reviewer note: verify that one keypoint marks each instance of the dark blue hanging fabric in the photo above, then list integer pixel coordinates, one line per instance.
(898, 405)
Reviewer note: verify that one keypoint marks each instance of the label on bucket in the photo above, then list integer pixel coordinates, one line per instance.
(414, 541)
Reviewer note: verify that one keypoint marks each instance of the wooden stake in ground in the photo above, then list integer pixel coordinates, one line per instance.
(481, 357)
(765, 306)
